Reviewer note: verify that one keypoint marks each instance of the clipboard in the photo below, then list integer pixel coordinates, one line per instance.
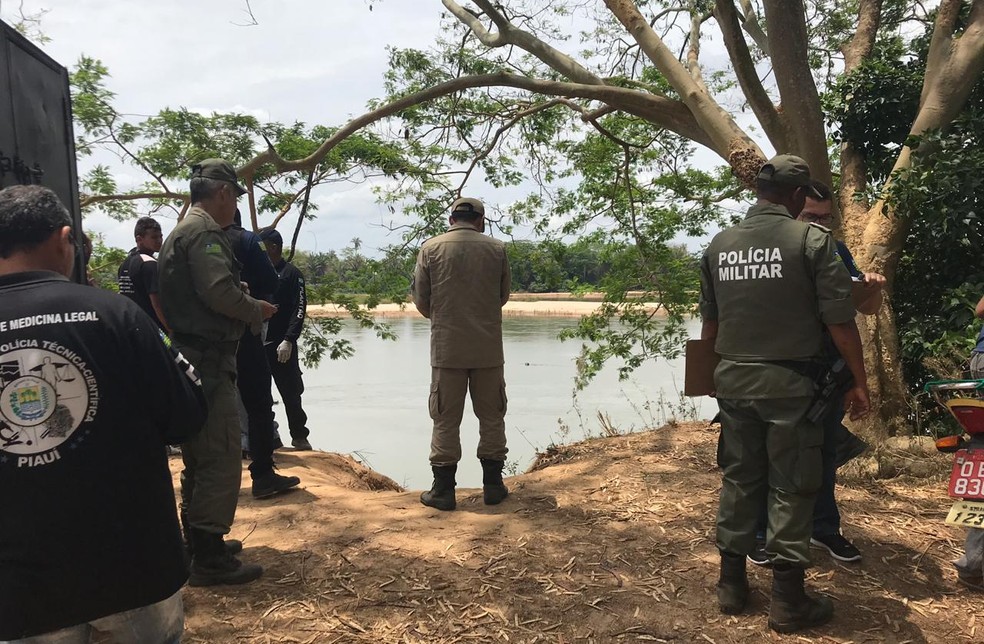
(700, 362)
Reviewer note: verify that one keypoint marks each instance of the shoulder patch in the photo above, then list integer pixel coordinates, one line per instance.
(212, 248)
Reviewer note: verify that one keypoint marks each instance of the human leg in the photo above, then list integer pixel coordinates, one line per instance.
(160, 623)
(254, 382)
(446, 405)
(795, 474)
(970, 566)
(742, 457)
(826, 515)
(290, 384)
(488, 394)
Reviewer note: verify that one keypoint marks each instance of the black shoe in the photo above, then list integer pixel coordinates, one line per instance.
(792, 609)
(212, 565)
(301, 444)
(222, 571)
(494, 491)
(850, 447)
(759, 556)
(441, 494)
(732, 588)
(272, 483)
(839, 548)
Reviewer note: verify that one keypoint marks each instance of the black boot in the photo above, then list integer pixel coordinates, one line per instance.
(732, 587)
(792, 609)
(493, 489)
(441, 494)
(232, 546)
(212, 565)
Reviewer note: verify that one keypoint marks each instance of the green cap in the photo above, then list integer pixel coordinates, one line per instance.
(218, 169)
(789, 170)
(467, 205)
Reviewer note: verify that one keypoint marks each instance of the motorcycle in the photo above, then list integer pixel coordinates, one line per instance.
(964, 400)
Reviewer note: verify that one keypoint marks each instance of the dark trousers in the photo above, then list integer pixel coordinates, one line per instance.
(770, 454)
(826, 516)
(254, 390)
(287, 375)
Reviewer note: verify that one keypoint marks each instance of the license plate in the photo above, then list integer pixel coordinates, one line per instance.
(969, 514)
(967, 475)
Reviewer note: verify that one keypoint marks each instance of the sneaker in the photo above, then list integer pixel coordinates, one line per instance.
(301, 444)
(759, 556)
(839, 548)
(848, 449)
(272, 483)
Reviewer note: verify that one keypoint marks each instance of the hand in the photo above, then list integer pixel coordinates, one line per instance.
(284, 350)
(268, 309)
(857, 403)
(245, 287)
(874, 281)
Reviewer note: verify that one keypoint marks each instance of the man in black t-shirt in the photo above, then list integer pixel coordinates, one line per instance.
(89, 396)
(138, 272)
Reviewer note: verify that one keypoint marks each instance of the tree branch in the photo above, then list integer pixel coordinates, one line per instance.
(509, 34)
(786, 22)
(92, 200)
(859, 46)
(659, 110)
(729, 141)
(753, 27)
(758, 99)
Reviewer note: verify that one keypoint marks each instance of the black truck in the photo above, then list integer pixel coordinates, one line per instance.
(37, 145)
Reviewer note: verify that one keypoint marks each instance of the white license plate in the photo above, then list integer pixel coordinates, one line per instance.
(968, 514)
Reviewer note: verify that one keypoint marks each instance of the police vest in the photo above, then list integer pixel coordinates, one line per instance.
(764, 289)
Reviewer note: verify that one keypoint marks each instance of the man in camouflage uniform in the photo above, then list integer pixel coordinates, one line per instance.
(461, 282)
(208, 311)
(768, 287)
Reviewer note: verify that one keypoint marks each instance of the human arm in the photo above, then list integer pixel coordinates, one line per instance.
(979, 311)
(155, 302)
(420, 288)
(169, 385)
(261, 271)
(869, 297)
(210, 264)
(505, 282)
(837, 312)
(298, 307)
(848, 342)
(150, 278)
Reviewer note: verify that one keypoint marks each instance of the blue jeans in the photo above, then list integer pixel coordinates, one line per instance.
(160, 623)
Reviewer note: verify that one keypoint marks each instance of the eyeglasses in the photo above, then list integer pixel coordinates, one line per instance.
(823, 220)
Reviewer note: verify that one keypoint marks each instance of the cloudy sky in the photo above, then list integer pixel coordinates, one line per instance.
(308, 60)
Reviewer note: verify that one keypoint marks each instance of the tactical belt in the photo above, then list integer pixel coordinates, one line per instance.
(812, 370)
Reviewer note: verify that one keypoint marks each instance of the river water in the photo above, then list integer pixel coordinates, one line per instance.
(374, 405)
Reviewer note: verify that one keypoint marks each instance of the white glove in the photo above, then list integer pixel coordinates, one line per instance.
(283, 351)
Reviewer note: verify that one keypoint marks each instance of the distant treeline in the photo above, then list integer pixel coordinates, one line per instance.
(537, 267)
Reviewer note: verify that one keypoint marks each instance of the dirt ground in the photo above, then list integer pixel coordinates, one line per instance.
(610, 540)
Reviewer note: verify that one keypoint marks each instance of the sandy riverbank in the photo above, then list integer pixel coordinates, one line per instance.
(520, 305)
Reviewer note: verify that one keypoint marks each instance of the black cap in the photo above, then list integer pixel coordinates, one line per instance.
(271, 235)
